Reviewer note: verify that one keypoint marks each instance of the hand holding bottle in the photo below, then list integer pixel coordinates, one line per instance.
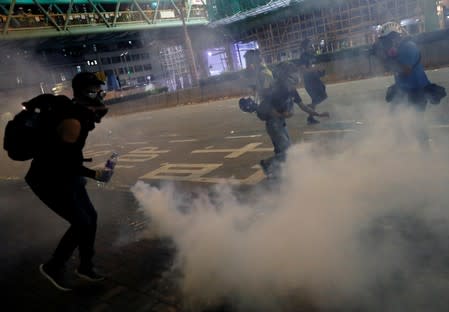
(105, 174)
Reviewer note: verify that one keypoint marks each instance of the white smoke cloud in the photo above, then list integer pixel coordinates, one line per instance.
(365, 227)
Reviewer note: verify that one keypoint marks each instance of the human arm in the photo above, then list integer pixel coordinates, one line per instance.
(69, 131)
(311, 112)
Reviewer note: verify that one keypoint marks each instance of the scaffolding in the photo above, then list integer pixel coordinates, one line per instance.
(175, 67)
(331, 27)
(219, 9)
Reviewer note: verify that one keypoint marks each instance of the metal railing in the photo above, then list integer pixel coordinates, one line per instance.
(27, 24)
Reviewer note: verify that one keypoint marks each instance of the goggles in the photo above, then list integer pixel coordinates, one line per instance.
(95, 94)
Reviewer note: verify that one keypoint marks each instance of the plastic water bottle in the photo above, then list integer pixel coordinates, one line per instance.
(112, 161)
(109, 165)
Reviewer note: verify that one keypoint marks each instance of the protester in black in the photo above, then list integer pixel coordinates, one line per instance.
(276, 93)
(57, 177)
(312, 78)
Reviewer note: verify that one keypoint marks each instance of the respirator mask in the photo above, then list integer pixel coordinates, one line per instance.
(95, 103)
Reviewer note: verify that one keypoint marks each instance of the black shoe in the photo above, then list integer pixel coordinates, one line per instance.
(312, 121)
(90, 275)
(265, 167)
(56, 277)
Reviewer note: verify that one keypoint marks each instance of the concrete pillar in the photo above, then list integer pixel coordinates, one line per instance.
(429, 8)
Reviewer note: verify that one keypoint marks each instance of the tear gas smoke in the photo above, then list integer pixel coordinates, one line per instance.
(365, 228)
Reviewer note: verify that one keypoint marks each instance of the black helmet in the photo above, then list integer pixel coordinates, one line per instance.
(248, 105)
(82, 85)
(253, 57)
(83, 80)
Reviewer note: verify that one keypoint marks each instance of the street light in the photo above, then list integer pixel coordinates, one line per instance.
(124, 54)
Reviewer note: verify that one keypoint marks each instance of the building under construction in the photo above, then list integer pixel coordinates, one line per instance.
(140, 42)
(278, 27)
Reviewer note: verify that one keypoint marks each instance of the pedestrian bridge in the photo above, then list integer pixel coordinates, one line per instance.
(24, 19)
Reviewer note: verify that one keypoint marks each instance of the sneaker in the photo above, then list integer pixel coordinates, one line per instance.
(265, 167)
(90, 275)
(312, 121)
(56, 277)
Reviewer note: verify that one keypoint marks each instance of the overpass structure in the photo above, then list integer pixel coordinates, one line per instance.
(141, 40)
(25, 19)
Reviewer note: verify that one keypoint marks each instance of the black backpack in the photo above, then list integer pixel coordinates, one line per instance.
(26, 132)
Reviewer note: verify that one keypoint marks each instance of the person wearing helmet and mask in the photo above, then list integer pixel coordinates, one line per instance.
(57, 176)
(402, 56)
(284, 97)
(411, 87)
(275, 98)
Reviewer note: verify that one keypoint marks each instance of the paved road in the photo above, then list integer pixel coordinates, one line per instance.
(197, 145)
(208, 142)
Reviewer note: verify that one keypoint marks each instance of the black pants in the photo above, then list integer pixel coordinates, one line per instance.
(315, 88)
(69, 200)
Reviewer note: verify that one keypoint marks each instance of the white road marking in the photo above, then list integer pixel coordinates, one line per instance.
(235, 152)
(92, 154)
(243, 136)
(196, 173)
(101, 144)
(181, 172)
(170, 135)
(182, 141)
(137, 143)
(328, 131)
(10, 178)
(352, 130)
(142, 154)
(439, 126)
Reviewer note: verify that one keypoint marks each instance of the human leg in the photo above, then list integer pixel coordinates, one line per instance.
(54, 269)
(69, 200)
(81, 234)
(418, 100)
(88, 228)
(317, 92)
(277, 130)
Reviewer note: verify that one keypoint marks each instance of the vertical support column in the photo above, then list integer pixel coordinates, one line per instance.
(429, 8)
(8, 19)
(188, 42)
(229, 56)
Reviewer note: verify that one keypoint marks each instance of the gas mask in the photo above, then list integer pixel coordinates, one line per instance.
(99, 113)
(94, 101)
(95, 97)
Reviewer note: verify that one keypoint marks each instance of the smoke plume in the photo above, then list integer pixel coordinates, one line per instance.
(364, 228)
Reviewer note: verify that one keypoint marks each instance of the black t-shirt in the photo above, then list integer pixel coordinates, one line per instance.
(307, 59)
